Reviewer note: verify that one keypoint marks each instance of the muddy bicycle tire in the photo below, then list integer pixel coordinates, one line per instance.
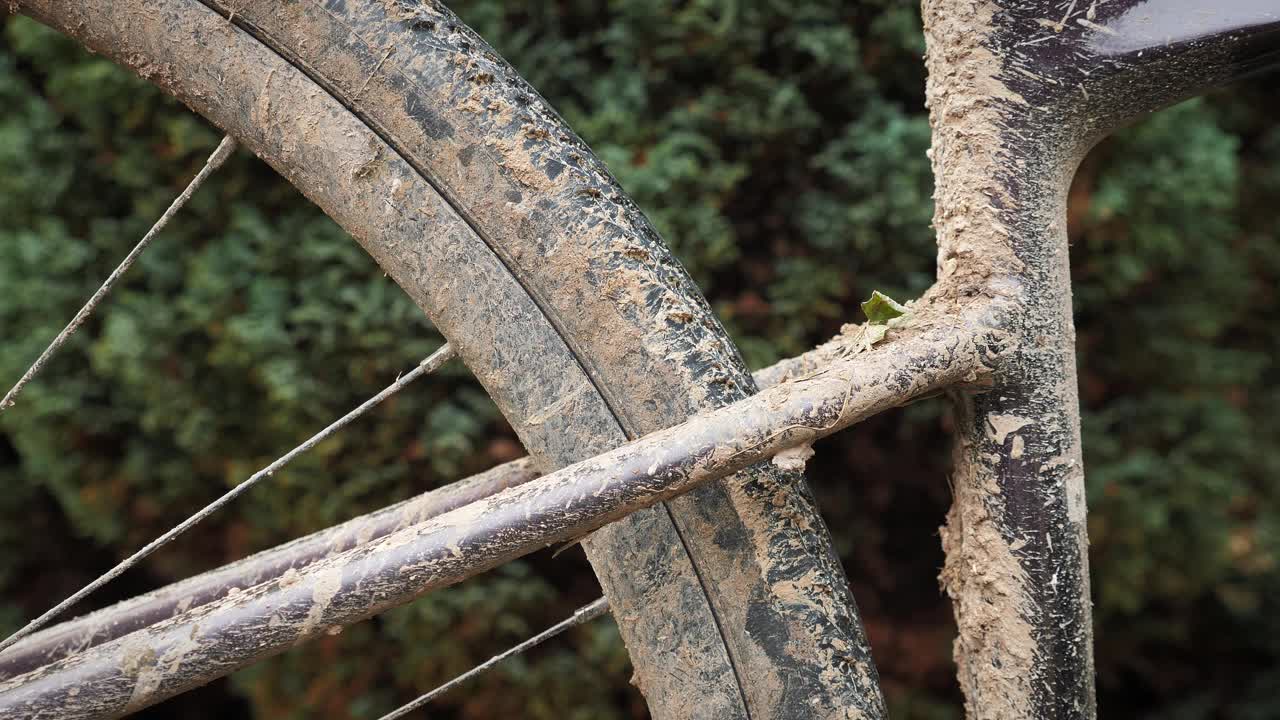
(498, 221)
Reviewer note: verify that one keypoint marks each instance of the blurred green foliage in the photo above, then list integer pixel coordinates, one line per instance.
(780, 147)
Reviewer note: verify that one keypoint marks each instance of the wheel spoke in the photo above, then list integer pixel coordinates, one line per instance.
(427, 366)
(215, 161)
(580, 616)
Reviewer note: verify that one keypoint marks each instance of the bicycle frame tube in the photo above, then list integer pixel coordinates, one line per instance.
(1018, 92)
(190, 649)
(80, 634)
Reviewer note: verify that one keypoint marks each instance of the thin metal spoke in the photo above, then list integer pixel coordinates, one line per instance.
(580, 616)
(431, 364)
(215, 161)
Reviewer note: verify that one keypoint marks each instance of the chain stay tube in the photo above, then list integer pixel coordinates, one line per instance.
(118, 620)
(190, 649)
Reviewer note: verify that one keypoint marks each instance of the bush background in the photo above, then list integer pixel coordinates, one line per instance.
(781, 149)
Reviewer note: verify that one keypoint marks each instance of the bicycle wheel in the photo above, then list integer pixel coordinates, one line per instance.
(467, 188)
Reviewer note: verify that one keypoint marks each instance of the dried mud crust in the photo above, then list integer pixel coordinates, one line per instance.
(467, 188)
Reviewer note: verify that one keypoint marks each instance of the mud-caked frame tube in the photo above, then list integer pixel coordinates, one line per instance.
(1018, 91)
